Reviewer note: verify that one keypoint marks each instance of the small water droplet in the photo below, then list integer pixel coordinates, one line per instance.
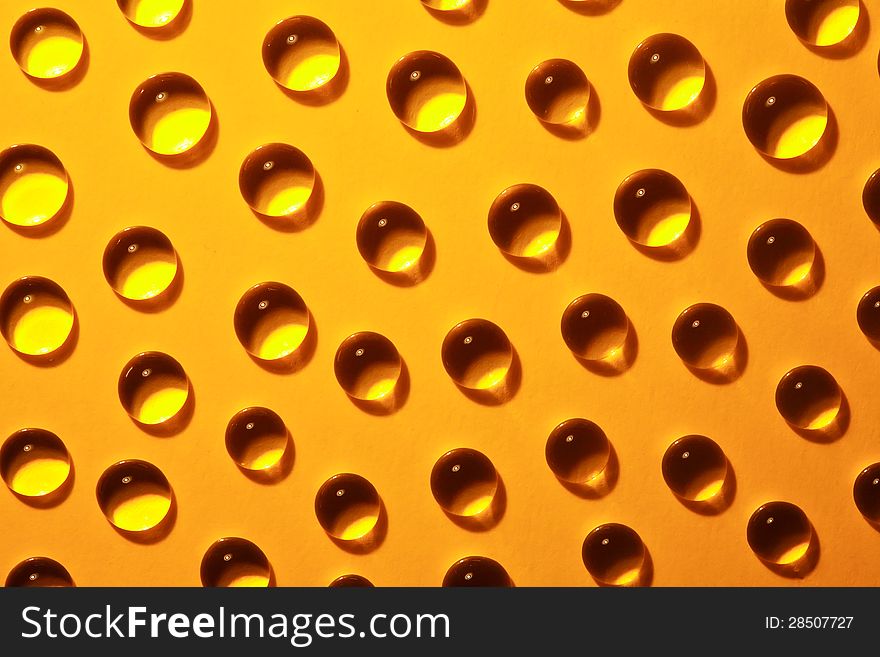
(267, 166)
(292, 39)
(415, 75)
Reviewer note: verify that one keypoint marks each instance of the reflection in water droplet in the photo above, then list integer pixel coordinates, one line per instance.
(170, 113)
(367, 366)
(36, 316)
(477, 354)
(652, 208)
(153, 388)
(140, 263)
(301, 54)
(667, 72)
(235, 562)
(34, 185)
(525, 221)
(426, 91)
(808, 397)
(348, 507)
(46, 43)
(464, 482)
(614, 555)
(34, 463)
(271, 321)
(134, 495)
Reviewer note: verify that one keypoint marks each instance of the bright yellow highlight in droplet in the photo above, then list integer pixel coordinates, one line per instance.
(540, 243)
(155, 13)
(682, 92)
(709, 491)
(312, 71)
(668, 229)
(179, 130)
(287, 200)
(836, 24)
(276, 341)
(404, 258)
(794, 554)
(147, 279)
(380, 389)
(42, 329)
(793, 136)
(478, 505)
(491, 378)
(53, 56)
(439, 111)
(356, 525)
(40, 476)
(162, 404)
(824, 418)
(33, 198)
(141, 512)
(246, 580)
(447, 5)
(798, 273)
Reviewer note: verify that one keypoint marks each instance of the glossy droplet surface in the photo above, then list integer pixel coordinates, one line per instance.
(301, 53)
(614, 555)
(170, 113)
(866, 492)
(426, 91)
(348, 507)
(594, 327)
(271, 321)
(652, 208)
(151, 13)
(39, 571)
(34, 185)
(871, 197)
(36, 316)
(558, 92)
(391, 236)
(256, 438)
(140, 263)
(868, 314)
(447, 5)
(525, 221)
(350, 581)
(153, 388)
(477, 354)
(808, 397)
(46, 43)
(695, 468)
(464, 482)
(577, 451)
(277, 180)
(34, 462)
(134, 495)
(779, 533)
(781, 252)
(477, 571)
(822, 22)
(367, 366)
(785, 116)
(667, 72)
(235, 562)
(705, 336)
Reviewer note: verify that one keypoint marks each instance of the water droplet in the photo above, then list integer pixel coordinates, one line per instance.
(653, 208)
(135, 496)
(809, 398)
(272, 321)
(695, 468)
(577, 451)
(476, 571)
(151, 14)
(615, 555)
(790, 262)
(780, 534)
(235, 562)
(714, 346)
(529, 226)
(309, 67)
(46, 43)
(283, 190)
(483, 366)
(464, 482)
(867, 316)
(435, 103)
(558, 93)
(170, 129)
(140, 264)
(399, 248)
(39, 571)
(373, 374)
(34, 185)
(154, 389)
(674, 85)
(348, 507)
(34, 463)
(36, 317)
(866, 492)
(823, 23)
(603, 338)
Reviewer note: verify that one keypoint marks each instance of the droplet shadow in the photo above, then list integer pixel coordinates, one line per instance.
(697, 111)
(503, 391)
(487, 519)
(371, 541)
(618, 362)
(298, 359)
(456, 131)
(417, 272)
(326, 93)
(816, 157)
(391, 402)
(551, 259)
(729, 370)
(600, 485)
(304, 217)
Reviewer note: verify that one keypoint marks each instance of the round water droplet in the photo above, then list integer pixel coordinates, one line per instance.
(532, 225)
(426, 91)
(868, 314)
(652, 208)
(140, 263)
(134, 495)
(558, 92)
(464, 482)
(614, 555)
(667, 72)
(785, 116)
(282, 190)
(271, 321)
(257, 439)
(705, 336)
(477, 354)
(779, 533)
(151, 14)
(301, 54)
(809, 398)
(352, 516)
(871, 197)
(46, 43)
(577, 451)
(822, 23)
(786, 257)
(594, 327)
(34, 463)
(235, 562)
(866, 492)
(170, 113)
(351, 581)
(39, 571)
(695, 468)
(399, 245)
(154, 389)
(34, 185)
(36, 317)
(477, 571)
(367, 366)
